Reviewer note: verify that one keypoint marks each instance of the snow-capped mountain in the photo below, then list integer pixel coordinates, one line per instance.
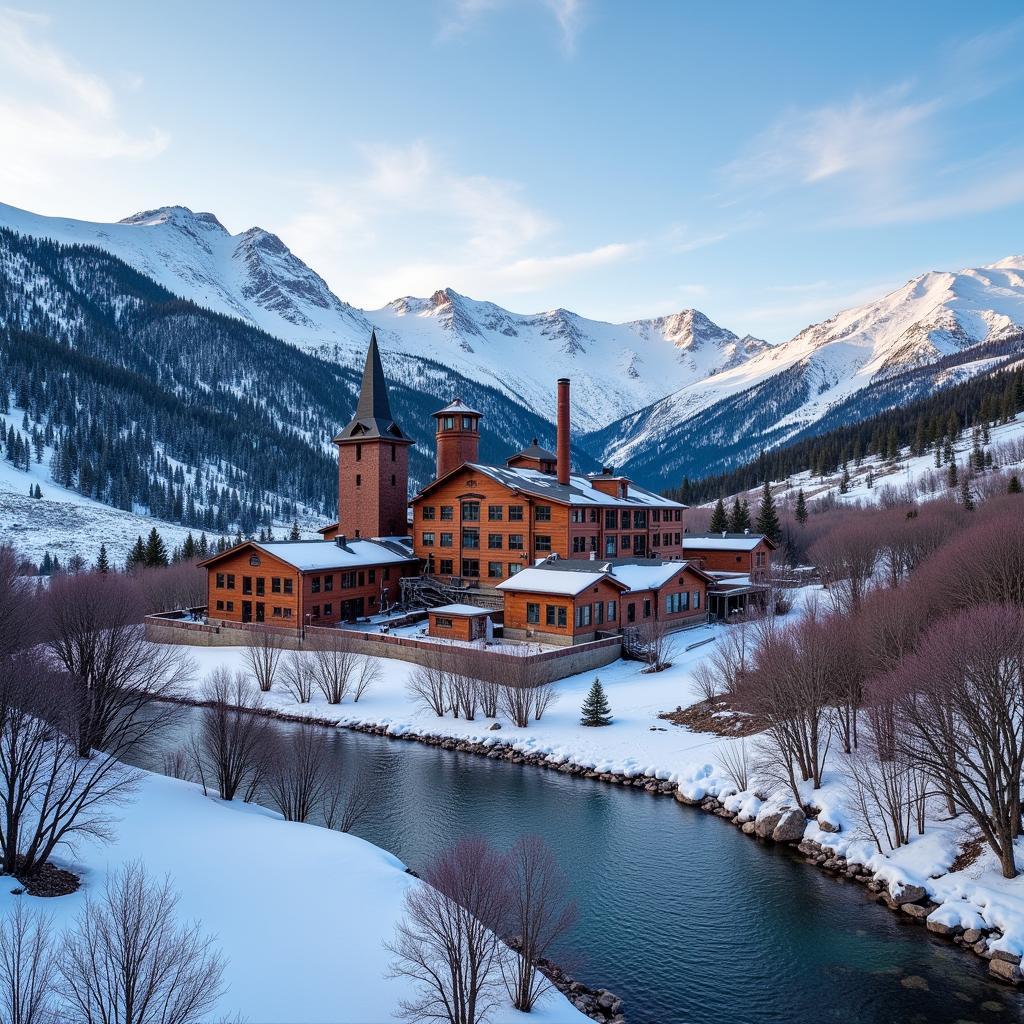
(783, 390)
(616, 368)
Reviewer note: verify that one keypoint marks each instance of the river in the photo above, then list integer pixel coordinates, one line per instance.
(679, 914)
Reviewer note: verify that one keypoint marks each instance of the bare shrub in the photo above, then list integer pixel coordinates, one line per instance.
(297, 772)
(735, 759)
(297, 676)
(232, 738)
(847, 559)
(336, 665)
(178, 764)
(19, 614)
(959, 702)
(344, 807)
(128, 960)
(167, 588)
(489, 692)
(517, 678)
(657, 643)
(544, 696)
(448, 943)
(539, 914)
(731, 657)
(124, 683)
(262, 655)
(428, 685)
(366, 673)
(28, 969)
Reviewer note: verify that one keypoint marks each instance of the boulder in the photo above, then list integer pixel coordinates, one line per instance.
(939, 927)
(826, 826)
(748, 828)
(908, 894)
(1006, 957)
(1004, 970)
(764, 825)
(606, 1000)
(790, 827)
(684, 799)
(972, 935)
(494, 726)
(914, 910)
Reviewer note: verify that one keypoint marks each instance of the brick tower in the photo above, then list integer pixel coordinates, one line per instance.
(373, 462)
(458, 436)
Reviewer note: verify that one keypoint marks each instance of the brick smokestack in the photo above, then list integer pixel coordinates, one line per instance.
(562, 448)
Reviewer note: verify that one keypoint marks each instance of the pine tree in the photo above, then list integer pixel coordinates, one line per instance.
(156, 550)
(952, 478)
(719, 518)
(596, 710)
(1014, 486)
(102, 562)
(137, 555)
(768, 517)
(295, 535)
(188, 548)
(801, 507)
(39, 492)
(844, 484)
(966, 498)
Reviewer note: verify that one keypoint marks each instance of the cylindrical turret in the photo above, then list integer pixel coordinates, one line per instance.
(458, 436)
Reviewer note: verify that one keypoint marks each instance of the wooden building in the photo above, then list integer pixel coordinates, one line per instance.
(484, 523)
(747, 553)
(576, 600)
(465, 622)
(305, 582)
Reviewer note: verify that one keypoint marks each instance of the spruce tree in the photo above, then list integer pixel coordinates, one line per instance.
(156, 550)
(1014, 486)
(768, 517)
(137, 555)
(102, 562)
(719, 518)
(966, 498)
(801, 507)
(952, 478)
(596, 710)
(295, 535)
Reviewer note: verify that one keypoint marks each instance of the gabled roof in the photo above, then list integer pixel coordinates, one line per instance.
(579, 491)
(372, 418)
(556, 580)
(534, 451)
(726, 541)
(468, 611)
(311, 555)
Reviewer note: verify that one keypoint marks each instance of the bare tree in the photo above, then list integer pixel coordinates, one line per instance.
(49, 795)
(959, 703)
(539, 914)
(336, 664)
(170, 587)
(428, 685)
(297, 676)
(128, 961)
(367, 672)
(28, 969)
(731, 657)
(262, 655)
(544, 696)
(847, 559)
(124, 683)
(297, 772)
(447, 944)
(19, 617)
(657, 643)
(178, 764)
(232, 738)
(344, 807)
(735, 759)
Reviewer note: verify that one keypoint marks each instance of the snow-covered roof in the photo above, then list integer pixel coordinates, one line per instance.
(559, 582)
(457, 407)
(633, 574)
(725, 541)
(310, 555)
(460, 609)
(643, 576)
(579, 491)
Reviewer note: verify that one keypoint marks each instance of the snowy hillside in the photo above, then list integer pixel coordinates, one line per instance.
(616, 368)
(932, 317)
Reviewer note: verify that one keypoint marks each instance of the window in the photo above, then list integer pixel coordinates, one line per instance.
(495, 513)
(371, 575)
(593, 516)
(442, 622)
(532, 613)
(579, 544)
(246, 584)
(656, 515)
(220, 579)
(231, 581)
(287, 613)
(513, 568)
(449, 422)
(593, 543)
(231, 606)
(359, 453)
(254, 560)
(640, 519)
(467, 422)
(471, 567)
(316, 611)
(611, 519)
(624, 542)
(427, 539)
(696, 600)
(760, 559)
(599, 613)
(392, 479)
(289, 586)
(348, 579)
(314, 584)
(639, 545)
(470, 538)
(327, 608)
(446, 540)
(625, 519)
(261, 586)
(515, 513)
(679, 539)
(578, 515)
(549, 614)
(675, 603)
(471, 511)
(631, 612)
(387, 573)
(542, 513)
(362, 578)
(647, 607)
(613, 610)
(394, 455)
(447, 511)
(276, 611)
(609, 547)
(542, 543)
(495, 570)
(275, 585)
(428, 512)
(494, 541)
(679, 515)
(446, 567)
(583, 615)
(515, 542)
(220, 606)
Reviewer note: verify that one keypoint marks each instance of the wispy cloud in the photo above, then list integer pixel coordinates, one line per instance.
(463, 15)
(55, 117)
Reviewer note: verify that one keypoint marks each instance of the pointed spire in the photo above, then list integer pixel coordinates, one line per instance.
(373, 410)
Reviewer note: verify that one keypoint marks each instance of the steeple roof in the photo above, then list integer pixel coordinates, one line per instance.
(372, 418)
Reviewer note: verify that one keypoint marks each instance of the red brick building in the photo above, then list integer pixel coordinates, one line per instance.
(747, 553)
(305, 582)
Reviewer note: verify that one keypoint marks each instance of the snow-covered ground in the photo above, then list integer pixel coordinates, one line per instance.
(300, 912)
(639, 743)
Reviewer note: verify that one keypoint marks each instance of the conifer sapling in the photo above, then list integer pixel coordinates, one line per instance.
(596, 710)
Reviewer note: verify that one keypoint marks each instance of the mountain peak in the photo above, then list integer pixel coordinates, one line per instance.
(177, 215)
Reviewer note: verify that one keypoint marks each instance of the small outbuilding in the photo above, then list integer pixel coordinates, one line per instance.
(458, 622)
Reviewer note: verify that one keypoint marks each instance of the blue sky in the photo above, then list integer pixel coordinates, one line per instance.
(768, 164)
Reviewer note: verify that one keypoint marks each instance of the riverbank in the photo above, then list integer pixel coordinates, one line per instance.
(301, 913)
(641, 749)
